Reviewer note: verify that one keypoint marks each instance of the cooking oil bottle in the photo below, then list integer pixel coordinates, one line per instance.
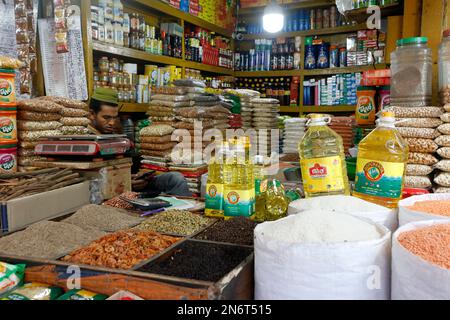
(239, 182)
(276, 201)
(322, 160)
(214, 186)
(381, 167)
(260, 189)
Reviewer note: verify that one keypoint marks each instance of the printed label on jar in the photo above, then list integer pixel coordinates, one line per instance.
(7, 162)
(237, 203)
(6, 90)
(260, 186)
(322, 174)
(6, 127)
(379, 178)
(214, 197)
(365, 107)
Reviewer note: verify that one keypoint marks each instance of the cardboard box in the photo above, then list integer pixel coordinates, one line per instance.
(19, 213)
(115, 179)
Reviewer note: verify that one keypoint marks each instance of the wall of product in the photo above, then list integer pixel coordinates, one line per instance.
(360, 4)
(286, 90)
(270, 55)
(303, 20)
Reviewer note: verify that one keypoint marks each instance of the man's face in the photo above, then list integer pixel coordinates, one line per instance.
(106, 119)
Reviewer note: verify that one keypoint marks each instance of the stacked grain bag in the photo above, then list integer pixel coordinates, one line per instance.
(294, 130)
(442, 178)
(163, 104)
(74, 116)
(344, 127)
(156, 142)
(247, 106)
(265, 121)
(418, 125)
(37, 119)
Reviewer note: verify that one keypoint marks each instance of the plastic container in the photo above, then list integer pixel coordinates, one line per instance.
(7, 88)
(444, 68)
(322, 160)
(366, 108)
(411, 67)
(8, 158)
(381, 167)
(8, 126)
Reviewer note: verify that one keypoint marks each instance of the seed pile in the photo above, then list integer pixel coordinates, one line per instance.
(103, 218)
(178, 222)
(237, 230)
(48, 240)
(200, 261)
(441, 207)
(431, 244)
(121, 250)
(117, 202)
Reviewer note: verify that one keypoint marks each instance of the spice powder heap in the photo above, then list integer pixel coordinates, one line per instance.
(238, 230)
(438, 207)
(122, 250)
(178, 222)
(431, 244)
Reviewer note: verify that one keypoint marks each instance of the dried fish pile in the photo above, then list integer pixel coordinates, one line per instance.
(103, 218)
(23, 184)
(48, 240)
(177, 222)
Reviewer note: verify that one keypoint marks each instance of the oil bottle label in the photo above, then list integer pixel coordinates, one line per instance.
(214, 198)
(379, 179)
(239, 203)
(322, 174)
(260, 186)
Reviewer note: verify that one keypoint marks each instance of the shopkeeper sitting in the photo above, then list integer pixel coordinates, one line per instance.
(104, 116)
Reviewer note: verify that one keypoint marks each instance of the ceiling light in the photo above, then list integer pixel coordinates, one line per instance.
(273, 18)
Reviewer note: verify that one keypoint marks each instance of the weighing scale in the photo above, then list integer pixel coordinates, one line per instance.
(85, 146)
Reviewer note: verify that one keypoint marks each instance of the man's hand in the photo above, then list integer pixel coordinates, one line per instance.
(139, 181)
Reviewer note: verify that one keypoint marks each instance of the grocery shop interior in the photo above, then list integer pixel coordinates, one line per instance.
(225, 149)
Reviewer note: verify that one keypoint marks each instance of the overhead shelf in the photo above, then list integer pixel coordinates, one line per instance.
(290, 109)
(330, 71)
(208, 68)
(307, 33)
(268, 74)
(289, 6)
(176, 13)
(331, 109)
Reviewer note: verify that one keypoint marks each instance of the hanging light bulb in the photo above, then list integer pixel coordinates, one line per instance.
(273, 18)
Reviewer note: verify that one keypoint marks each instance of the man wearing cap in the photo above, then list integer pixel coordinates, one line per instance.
(104, 116)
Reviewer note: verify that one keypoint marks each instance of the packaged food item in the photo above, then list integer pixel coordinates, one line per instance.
(445, 129)
(71, 112)
(66, 102)
(444, 152)
(418, 170)
(72, 121)
(74, 130)
(38, 105)
(417, 182)
(8, 126)
(36, 135)
(8, 158)
(443, 179)
(156, 131)
(424, 133)
(38, 125)
(443, 165)
(422, 158)
(34, 291)
(7, 87)
(11, 276)
(82, 295)
(366, 108)
(416, 112)
(37, 116)
(9, 63)
(422, 145)
(419, 122)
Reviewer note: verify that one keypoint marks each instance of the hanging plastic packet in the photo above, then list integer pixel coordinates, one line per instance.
(11, 276)
(62, 45)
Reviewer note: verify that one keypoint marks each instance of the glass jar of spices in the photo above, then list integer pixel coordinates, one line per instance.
(103, 64)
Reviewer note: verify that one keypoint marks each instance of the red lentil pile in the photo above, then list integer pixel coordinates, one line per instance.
(431, 244)
(438, 207)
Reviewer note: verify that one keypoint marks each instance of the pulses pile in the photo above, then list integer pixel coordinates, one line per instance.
(418, 125)
(442, 178)
(44, 117)
(294, 130)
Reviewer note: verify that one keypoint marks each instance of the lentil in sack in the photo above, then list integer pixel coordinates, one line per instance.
(446, 117)
(424, 133)
(443, 141)
(443, 179)
(38, 125)
(163, 97)
(445, 129)
(39, 105)
(170, 104)
(421, 182)
(68, 103)
(416, 112)
(189, 83)
(442, 190)
(443, 165)
(75, 121)
(158, 146)
(422, 158)
(418, 170)
(36, 135)
(421, 145)
(163, 139)
(25, 152)
(156, 131)
(444, 152)
(74, 130)
(71, 112)
(447, 107)
(419, 122)
(37, 116)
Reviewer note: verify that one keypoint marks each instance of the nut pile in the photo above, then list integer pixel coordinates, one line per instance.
(121, 250)
(442, 178)
(419, 127)
(177, 222)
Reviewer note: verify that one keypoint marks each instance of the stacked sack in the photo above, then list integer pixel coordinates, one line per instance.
(442, 178)
(247, 106)
(141, 124)
(163, 104)
(74, 116)
(156, 142)
(344, 127)
(294, 130)
(418, 125)
(264, 119)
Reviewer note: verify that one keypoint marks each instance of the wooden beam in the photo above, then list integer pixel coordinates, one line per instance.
(394, 32)
(412, 18)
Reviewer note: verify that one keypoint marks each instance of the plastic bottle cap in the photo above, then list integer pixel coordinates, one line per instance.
(413, 40)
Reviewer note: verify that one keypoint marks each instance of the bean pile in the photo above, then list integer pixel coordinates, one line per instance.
(177, 222)
(116, 202)
(121, 250)
(48, 240)
(431, 244)
(237, 230)
(200, 261)
(103, 218)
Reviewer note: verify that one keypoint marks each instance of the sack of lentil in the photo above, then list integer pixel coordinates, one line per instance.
(72, 121)
(444, 152)
(446, 117)
(75, 113)
(36, 135)
(421, 182)
(443, 179)
(420, 208)
(442, 190)
(417, 112)
(156, 131)
(37, 116)
(444, 129)
(421, 261)
(443, 141)
(296, 257)
(74, 130)
(447, 107)
(38, 105)
(424, 133)
(418, 170)
(422, 158)
(443, 165)
(419, 122)
(68, 103)
(38, 125)
(349, 205)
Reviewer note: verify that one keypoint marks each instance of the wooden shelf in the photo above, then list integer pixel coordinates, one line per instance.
(289, 6)
(268, 74)
(133, 107)
(316, 32)
(152, 58)
(290, 109)
(176, 13)
(331, 109)
(331, 71)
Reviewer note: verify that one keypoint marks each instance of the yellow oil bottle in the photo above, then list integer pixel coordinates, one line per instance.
(214, 186)
(381, 166)
(322, 160)
(260, 189)
(276, 201)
